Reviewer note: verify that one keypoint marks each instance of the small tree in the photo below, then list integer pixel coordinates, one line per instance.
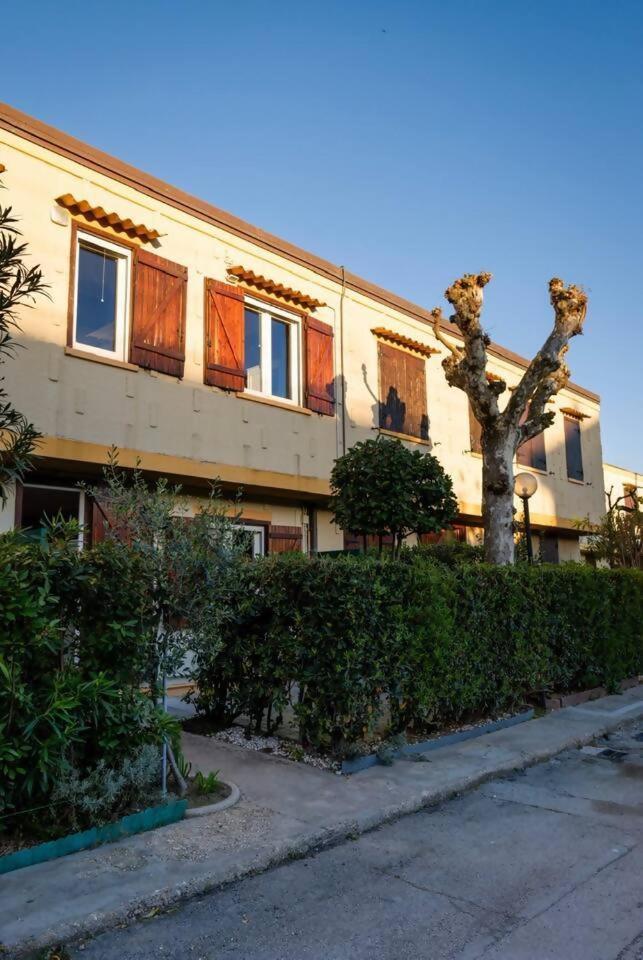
(502, 430)
(380, 488)
(617, 539)
(19, 286)
(186, 565)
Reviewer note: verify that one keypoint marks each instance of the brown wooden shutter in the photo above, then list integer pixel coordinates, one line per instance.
(284, 539)
(403, 406)
(224, 364)
(531, 453)
(320, 377)
(98, 522)
(475, 432)
(158, 325)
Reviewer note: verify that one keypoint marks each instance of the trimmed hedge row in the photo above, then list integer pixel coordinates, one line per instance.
(339, 639)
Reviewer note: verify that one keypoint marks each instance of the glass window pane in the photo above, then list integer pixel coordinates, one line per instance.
(41, 504)
(280, 359)
(253, 349)
(96, 305)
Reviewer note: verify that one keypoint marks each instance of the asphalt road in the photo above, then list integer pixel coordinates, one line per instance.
(547, 865)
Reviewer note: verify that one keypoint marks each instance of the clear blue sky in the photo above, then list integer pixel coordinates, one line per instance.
(409, 141)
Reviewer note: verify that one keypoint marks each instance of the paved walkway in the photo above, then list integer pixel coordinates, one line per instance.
(544, 865)
(286, 811)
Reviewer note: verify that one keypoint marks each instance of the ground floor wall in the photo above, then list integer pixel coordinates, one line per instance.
(277, 523)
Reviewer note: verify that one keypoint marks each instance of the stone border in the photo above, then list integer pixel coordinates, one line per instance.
(560, 700)
(148, 819)
(426, 746)
(229, 801)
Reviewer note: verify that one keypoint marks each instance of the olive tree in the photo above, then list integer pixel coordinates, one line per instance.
(504, 430)
(381, 488)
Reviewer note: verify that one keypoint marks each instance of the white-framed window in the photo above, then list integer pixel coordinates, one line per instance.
(41, 503)
(256, 538)
(272, 345)
(101, 296)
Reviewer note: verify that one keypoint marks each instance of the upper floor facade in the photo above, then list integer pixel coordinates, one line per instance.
(207, 348)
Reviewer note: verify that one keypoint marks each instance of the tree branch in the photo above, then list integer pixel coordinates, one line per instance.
(466, 368)
(548, 372)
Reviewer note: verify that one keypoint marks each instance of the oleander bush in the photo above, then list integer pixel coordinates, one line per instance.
(70, 666)
(353, 641)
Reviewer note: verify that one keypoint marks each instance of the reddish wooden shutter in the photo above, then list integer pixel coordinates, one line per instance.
(475, 432)
(284, 539)
(531, 453)
(320, 377)
(403, 406)
(158, 325)
(224, 336)
(98, 522)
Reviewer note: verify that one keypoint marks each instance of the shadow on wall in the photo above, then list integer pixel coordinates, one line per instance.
(391, 414)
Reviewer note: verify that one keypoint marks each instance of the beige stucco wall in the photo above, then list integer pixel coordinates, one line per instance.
(191, 430)
(615, 479)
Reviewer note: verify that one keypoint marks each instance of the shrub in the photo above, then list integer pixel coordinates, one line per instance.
(69, 674)
(353, 642)
(79, 800)
(382, 488)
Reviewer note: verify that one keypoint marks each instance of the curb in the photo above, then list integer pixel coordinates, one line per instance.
(315, 842)
(437, 743)
(228, 801)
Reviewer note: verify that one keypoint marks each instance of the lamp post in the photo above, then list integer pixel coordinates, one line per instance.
(525, 486)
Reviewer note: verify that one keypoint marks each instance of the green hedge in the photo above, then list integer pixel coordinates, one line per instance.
(339, 638)
(70, 667)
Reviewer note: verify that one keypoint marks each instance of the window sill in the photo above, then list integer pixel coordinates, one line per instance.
(580, 483)
(403, 436)
(86, 355)
(521, 468)
(274, 402)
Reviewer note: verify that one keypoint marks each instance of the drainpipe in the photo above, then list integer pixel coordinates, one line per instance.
(341, 356)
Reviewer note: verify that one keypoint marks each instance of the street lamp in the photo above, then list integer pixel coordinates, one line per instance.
(525, 486)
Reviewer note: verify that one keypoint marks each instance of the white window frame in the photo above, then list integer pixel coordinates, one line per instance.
(81, 503)
(255, 529)
(266, 314)
(123, 289)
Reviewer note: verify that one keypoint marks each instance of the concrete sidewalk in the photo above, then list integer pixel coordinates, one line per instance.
(286, 811)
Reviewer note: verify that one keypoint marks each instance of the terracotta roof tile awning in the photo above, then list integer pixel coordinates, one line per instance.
(271, 287)
(105, 219)
(401, 341)
(574, 413)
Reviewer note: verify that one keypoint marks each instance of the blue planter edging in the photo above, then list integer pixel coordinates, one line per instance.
(133, 823)
(425, 746)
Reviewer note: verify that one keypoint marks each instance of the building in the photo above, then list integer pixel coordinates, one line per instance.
(208, 348)
(622, 484)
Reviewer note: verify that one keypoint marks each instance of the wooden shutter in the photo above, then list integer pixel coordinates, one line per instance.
(284, 539)
(402, 405)
(531, 453)
(224, 364)
(573, 450)
(158, 325)
(549, 546)
(320, 378)
(475, 432)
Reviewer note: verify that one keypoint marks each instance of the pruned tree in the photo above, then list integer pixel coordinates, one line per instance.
(381, 489)
(19, 285)
(502, 431)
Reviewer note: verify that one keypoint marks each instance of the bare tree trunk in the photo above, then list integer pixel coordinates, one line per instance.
(497, 501)
(524, 415)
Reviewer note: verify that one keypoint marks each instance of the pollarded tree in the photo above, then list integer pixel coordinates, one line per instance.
(502, 430)
(19, 285)
(382, 489)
